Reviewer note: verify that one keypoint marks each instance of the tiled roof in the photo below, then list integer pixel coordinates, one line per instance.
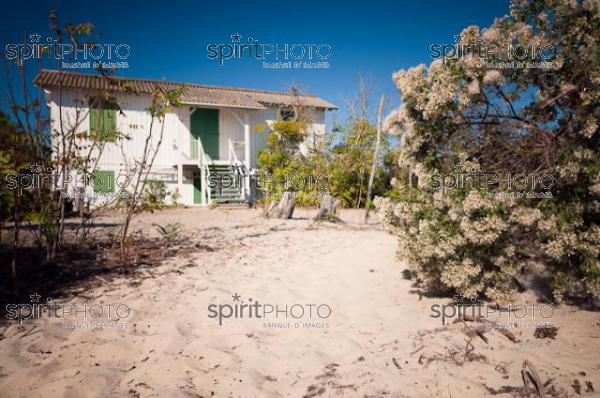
(194, 94)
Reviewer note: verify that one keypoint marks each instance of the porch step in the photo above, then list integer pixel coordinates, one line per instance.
(225, 193)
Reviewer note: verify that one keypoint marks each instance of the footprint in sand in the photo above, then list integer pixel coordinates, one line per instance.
(184, 328)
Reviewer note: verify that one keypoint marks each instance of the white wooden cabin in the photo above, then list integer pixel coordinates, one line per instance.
(214, 132)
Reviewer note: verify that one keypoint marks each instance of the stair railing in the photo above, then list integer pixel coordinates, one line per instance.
(239, 166)
(204, 172)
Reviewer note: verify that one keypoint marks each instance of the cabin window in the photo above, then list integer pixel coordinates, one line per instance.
(103, 119)
(104, 181)
(287, 114)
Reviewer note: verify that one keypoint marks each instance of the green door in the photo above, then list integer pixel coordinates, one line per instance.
(197, 188)
(204, 124)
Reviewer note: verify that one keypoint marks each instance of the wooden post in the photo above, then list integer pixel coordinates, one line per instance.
(246, 154)
(180, 178)
(374, 165)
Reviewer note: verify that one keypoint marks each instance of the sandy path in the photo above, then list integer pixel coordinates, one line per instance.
(379, 340)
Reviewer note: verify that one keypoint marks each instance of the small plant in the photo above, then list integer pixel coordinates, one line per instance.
(175, 196)
(154, 196)
(329, 217)
(171, 233)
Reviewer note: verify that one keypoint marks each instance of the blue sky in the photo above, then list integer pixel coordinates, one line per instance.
(169, 39)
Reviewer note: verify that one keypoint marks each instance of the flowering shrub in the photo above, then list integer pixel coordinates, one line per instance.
(468, 109)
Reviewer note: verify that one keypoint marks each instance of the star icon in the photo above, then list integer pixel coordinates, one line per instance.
(33, 167)
(236, 297)
(35, 38)
(236, 37)
(35, 298)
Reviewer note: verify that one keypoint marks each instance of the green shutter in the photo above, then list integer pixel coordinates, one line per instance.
(103, 122)
(94, 115)
(104, 181)
(110, 124)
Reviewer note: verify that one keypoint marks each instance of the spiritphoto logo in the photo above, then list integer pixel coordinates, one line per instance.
(511, 316)
(492, 56)
(39, 177)
(71, 56)
(273, 316)
(309, 184)
(272, 55)
(71, 316)
(296, 182)
(499, 186)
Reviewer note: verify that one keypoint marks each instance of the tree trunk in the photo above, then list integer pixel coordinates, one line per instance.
(283, 208)
(374, 165)
(140, 184)
(13, 263)
(328, 207)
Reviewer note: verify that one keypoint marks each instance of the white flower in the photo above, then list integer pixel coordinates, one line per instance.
(475, 202)
(412, 85)
(548, 224)
(493, 77)
(590, 127)
(569, 171)
(472, 65)
(470, 35)
(473, 87)
(492, 35)
(525, 216)
(394, 122)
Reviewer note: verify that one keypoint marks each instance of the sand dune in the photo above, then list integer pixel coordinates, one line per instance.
(378, 341)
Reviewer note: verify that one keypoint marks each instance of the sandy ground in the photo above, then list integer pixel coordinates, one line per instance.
(379, 340)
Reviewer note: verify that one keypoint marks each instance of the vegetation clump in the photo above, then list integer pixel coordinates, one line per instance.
(467, 115)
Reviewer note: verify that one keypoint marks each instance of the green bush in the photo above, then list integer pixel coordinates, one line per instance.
(467, 116)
